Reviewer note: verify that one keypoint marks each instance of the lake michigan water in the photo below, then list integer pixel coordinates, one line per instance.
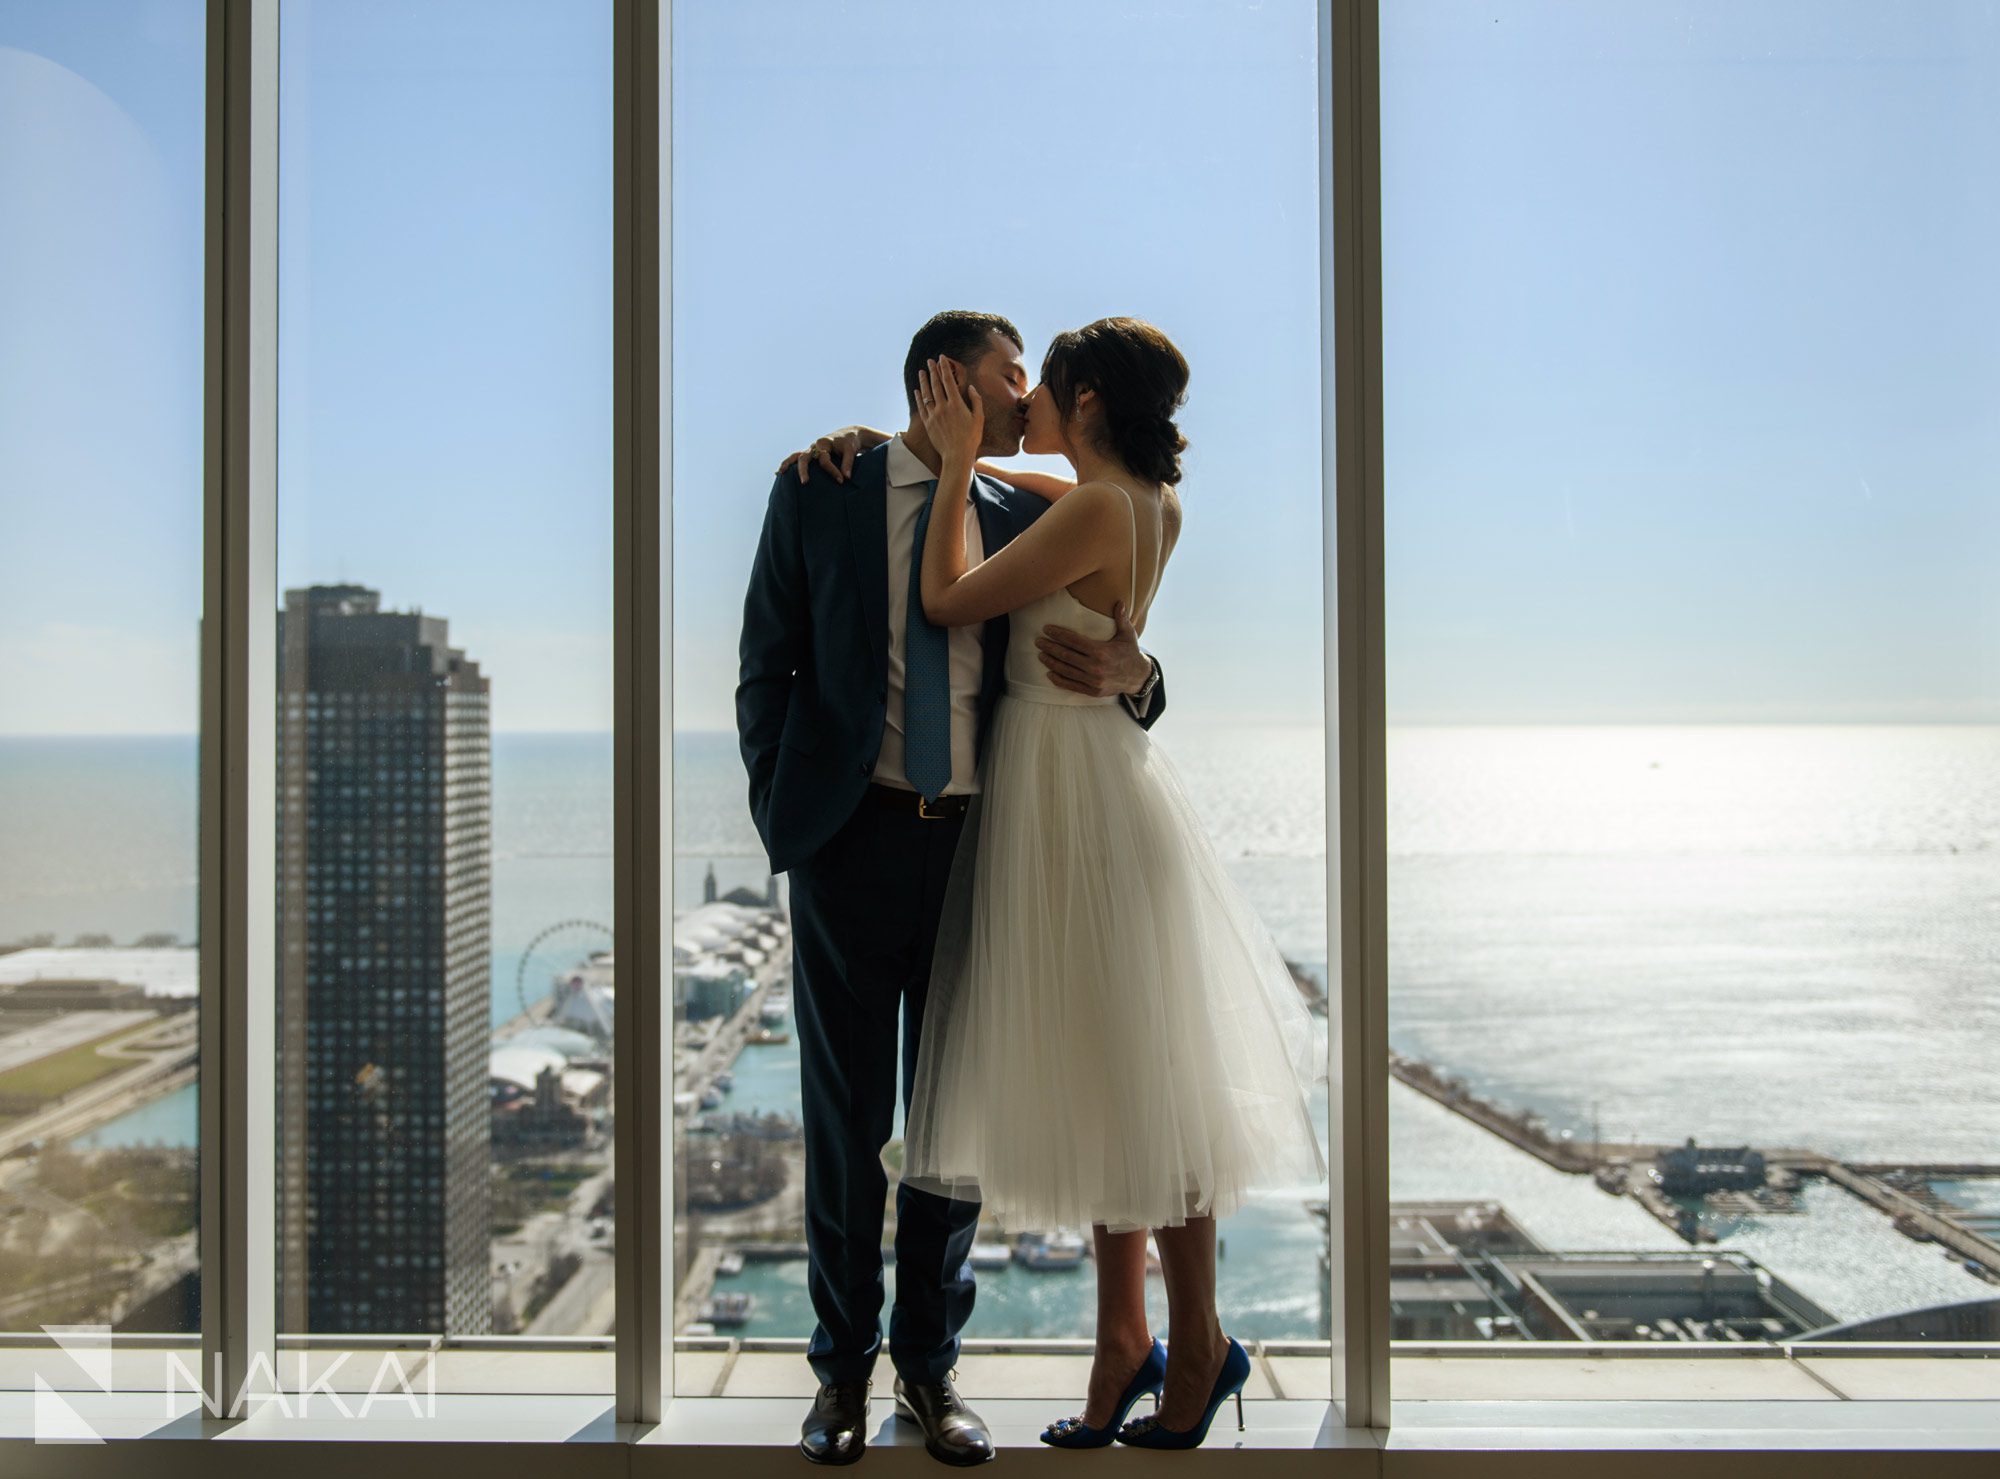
(1779, 934)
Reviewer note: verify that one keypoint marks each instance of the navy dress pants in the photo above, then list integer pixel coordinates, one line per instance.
(864, 921)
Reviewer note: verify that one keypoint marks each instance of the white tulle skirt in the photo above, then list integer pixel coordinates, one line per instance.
(1112, 1035)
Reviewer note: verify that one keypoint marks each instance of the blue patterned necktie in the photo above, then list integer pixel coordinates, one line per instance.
(926, 678)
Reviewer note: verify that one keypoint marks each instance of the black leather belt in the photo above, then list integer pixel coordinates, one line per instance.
(909, 803)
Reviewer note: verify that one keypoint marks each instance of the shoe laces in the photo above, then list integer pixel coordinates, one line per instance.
(833, 1391)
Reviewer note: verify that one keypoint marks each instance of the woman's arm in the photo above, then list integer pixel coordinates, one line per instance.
(835, 452)
(837, 449)
(1044, 485)
(1057, 550)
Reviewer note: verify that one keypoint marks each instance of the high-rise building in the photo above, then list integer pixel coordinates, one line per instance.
(384, 1159)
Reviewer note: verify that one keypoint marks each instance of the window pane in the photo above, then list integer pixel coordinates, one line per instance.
(1693, 645)
(101, 496)
(444, 676)
(1088, 168)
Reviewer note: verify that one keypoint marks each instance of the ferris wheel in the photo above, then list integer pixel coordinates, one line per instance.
(566, 927)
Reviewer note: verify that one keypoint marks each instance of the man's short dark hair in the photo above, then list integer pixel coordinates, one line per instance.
(957, 333)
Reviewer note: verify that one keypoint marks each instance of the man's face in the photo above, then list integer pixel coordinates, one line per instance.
(1002, 381)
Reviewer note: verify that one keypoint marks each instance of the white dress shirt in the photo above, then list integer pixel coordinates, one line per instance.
(907, 495)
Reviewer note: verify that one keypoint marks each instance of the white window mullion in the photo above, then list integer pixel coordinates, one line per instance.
(1357, 875)
(239, 702)
(642, 1065)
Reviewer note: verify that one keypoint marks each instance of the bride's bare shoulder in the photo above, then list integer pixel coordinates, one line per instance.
(1096, 501)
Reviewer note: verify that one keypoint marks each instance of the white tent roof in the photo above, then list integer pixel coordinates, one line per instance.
(563, 1040)
(522, 1065)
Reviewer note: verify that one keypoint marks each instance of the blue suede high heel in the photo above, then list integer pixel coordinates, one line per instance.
(1147, 1432)
(1071, 1432)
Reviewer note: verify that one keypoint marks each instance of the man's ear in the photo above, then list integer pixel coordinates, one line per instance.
(964, 375)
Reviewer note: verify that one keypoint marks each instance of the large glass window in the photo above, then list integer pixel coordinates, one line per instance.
(1693, 659)
(444, 811)
(838, 177)
(101, 499)
(1694, 761)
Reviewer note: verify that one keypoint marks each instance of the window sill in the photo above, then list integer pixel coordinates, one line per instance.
(1457, 1414)
(992, 1370)
(754, 1436)
(748, 1425)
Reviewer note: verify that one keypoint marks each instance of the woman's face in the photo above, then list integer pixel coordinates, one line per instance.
(1044, 435)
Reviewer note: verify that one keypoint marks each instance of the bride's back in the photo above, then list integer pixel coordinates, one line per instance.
(1131, 576)
(1134, 565)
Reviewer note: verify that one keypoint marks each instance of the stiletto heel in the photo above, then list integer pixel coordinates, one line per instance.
(1073, 1432)
(1147, 1432)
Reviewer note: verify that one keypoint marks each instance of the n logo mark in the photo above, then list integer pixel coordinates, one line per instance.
(55, 1419)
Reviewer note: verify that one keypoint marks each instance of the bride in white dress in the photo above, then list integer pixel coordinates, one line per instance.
(1112, 1037)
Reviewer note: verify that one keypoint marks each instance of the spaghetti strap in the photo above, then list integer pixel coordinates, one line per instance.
(1159, 548)
(1132, 587)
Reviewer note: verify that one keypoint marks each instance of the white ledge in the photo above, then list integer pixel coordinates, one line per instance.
(748, 1437)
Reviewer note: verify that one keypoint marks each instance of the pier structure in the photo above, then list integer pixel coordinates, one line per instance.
(758, 944)
(1913, 1216)
(696, 1072)
(1623, 1168)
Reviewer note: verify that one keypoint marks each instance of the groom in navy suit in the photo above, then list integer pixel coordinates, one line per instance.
(861, 725)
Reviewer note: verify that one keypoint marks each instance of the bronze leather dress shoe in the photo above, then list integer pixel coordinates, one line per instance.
(836, 1430)
(953, 1433)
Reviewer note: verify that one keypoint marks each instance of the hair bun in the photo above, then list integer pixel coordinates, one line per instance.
(1140, 379)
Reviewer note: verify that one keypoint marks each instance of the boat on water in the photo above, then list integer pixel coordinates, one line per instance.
(730, 1264)
(711, 1097)
(1049, 1252)
(729, 1311)
(776, 1009)
(991, 1255)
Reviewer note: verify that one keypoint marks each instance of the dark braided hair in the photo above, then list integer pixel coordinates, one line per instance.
(1140, 380)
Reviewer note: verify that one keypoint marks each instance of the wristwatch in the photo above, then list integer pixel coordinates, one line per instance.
(1143, 699)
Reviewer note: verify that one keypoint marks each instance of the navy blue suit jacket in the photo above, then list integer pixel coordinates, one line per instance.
(812, 693)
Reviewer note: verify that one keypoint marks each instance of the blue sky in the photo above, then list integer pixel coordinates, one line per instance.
(1691, 331)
